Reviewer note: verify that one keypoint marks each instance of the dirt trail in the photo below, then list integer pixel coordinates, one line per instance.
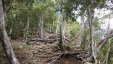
(44, 53)
(39, 53)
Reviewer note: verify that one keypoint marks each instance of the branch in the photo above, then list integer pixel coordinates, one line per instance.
(107, 54)
(104, 41)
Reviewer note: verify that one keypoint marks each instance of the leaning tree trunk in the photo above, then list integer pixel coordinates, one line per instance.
(5, 40)
(108, 52)
(109, 46)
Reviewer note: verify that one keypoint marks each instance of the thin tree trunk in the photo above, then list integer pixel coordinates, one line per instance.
(41, 27)
(61, 28)
(90, 27)
(52, 27)
(109, 48)
(57, 27)
(5, 40)
(105, 60)
(82, 32)
(61, 34)
(27, 30)
(92, 46)
(10, 32)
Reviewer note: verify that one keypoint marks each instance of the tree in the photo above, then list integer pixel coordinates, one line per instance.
(85, 7)
(61, 26)
(5, 40)
(27, 29)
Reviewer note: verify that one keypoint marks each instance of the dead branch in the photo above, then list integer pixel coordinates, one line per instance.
(75, 37)
(68, 39)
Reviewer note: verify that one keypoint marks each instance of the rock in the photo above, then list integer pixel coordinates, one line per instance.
(20, 47)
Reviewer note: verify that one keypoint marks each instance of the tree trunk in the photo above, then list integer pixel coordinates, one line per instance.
(57, 27)
(52, 26)
(92, 46)
(61, 34)
(61, 28)
(5, 40)
(41, 27)
(83, 44)
(107, 56)
(26, 30)
(84, 30)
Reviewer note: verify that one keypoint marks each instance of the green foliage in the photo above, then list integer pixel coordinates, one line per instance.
(34, 10)
(104, 51)
(3, 59)
(18, 11)
(80, 7)
(73, 27)
(67, 46)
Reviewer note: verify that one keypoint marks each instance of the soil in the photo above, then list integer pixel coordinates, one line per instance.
(39, 53)
(42, 53)
(36, 52)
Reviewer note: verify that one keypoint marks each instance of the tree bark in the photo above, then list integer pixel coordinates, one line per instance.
(5, 40)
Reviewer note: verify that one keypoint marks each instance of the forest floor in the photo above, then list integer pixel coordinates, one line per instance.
(36, 52)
